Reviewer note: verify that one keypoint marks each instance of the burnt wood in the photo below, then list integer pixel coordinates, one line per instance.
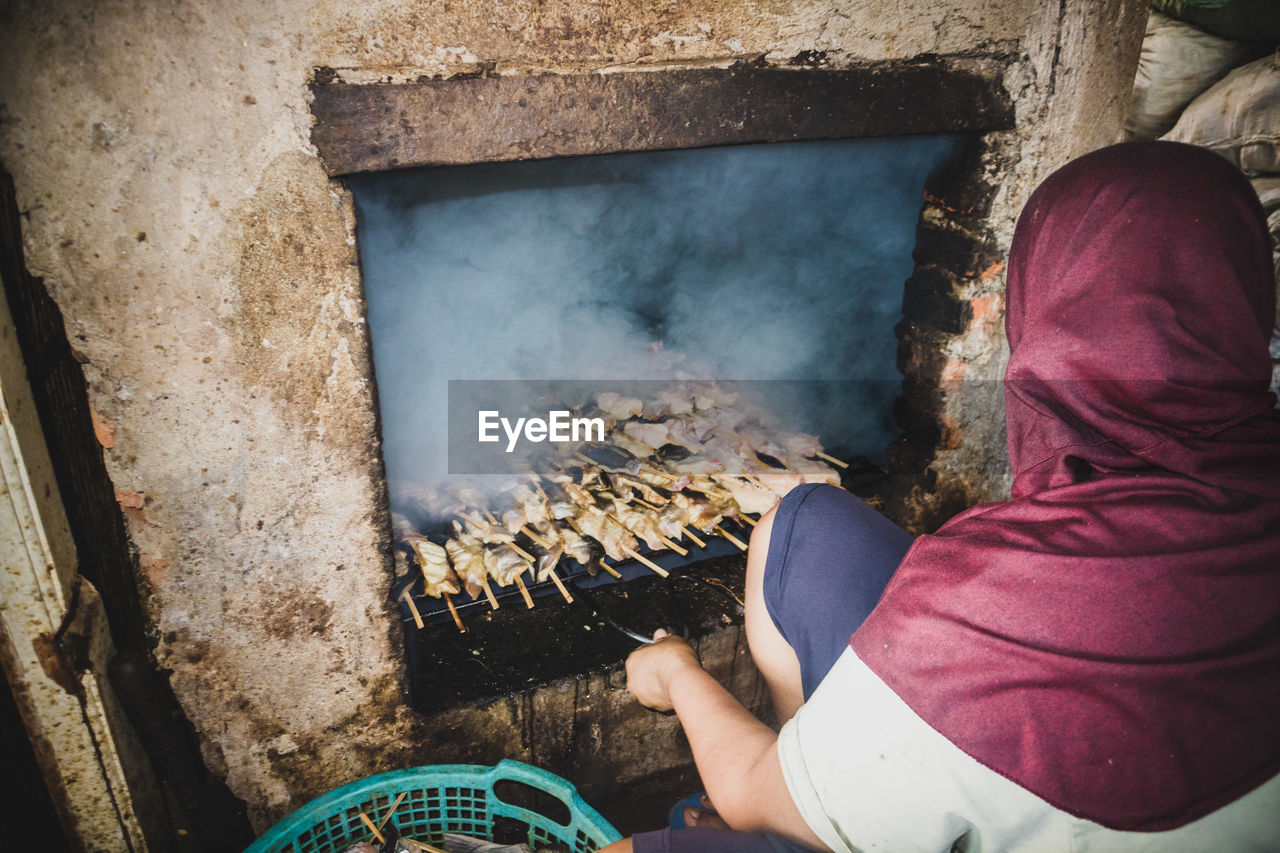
(383, 126)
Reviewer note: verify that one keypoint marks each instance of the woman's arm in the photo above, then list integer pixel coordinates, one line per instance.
(736, 753)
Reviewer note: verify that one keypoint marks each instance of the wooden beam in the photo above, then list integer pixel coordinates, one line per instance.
(383, 126)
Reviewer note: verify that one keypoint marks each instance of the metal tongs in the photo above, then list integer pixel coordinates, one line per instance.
(677, 629)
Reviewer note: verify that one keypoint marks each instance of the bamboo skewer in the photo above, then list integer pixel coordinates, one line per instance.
(608, 568)
(560, 586)
(524, 555)
(407, 597)
(488, 591)
(641, 558)
(542, 543)
(742, 516)
(555, 579)
(734, 539)
(377, 833)
(421, 846)
(683, 552)
(453, 610)
(693, 536)
(832, 459)
(386, 817)
(524, 591)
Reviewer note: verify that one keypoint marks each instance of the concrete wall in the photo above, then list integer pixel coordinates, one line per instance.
(207, 272)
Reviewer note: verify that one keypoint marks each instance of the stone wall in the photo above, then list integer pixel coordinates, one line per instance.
(206, 271)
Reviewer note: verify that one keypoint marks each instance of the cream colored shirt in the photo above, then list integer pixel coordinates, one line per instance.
(868, 774)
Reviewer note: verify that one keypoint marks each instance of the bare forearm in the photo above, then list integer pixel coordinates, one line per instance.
(729, 746)
(736, 754)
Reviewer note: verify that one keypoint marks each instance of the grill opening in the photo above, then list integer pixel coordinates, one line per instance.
(726, 315)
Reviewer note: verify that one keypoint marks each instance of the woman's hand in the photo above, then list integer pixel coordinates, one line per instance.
(649, 669)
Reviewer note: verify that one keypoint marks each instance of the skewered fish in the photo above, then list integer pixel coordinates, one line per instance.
(619, 407)
(625, 487)
(612, 456)
(585, 550)
(503, 564)
(466, 552)
(532, 505)
(617, 541)
(432, 559)
(650, 434)
(547, 562)
(643, 525)
(709, 395)
(699, 511)
(672, 402)
(624, 442)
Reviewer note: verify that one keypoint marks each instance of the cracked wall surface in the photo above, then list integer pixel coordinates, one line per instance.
(206, 269)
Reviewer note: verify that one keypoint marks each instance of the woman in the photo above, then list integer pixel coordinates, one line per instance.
(1093, 664)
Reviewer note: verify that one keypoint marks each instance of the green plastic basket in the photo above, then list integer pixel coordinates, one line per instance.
(438, 799)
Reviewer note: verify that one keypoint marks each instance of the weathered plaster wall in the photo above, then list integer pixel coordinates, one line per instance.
(207, 272)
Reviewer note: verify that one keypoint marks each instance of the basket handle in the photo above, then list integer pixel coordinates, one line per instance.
(509, 770)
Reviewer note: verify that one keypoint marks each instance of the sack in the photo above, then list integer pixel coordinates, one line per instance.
(1178, 62)
(1243, 20)
(1239, 118)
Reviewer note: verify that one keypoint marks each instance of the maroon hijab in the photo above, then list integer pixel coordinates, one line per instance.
(1109, 638)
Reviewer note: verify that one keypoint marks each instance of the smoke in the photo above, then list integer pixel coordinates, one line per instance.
(779, 262)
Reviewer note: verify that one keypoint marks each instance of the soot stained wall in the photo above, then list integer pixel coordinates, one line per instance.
(206, 270)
